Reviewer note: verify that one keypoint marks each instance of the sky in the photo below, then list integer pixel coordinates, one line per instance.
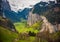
(21, 4)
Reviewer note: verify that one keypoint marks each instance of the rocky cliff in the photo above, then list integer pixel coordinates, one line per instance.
(39, 13)
(5, 5)
(33, 18)
(47, 26)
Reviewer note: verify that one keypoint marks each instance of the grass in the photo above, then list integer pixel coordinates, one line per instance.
(21, 28)
(6, 35)
(9, 36)
(31, 39)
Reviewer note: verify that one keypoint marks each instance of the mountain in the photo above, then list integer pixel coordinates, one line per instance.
(14, 11)
(6, 23)
(16, 17)
(44, 11)
(24, 13)
(5, 5)
(8, 12)
(38, 10)
(12, 15)
(43, 7)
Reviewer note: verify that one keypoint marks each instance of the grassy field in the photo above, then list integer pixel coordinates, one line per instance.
(30, 39)
(9, 36)
(21, 28)
(6, 35)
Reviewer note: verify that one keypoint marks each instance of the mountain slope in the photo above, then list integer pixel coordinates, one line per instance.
(6, 35)
(12, 15)
(49, 11)
(4, 22)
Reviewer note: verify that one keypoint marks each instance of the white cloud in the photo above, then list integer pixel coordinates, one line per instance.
(47, 0)
(21, 4)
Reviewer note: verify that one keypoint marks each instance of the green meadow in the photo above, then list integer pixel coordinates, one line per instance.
(24, 36)
(9, 36)
(6, 35)
(22, 28)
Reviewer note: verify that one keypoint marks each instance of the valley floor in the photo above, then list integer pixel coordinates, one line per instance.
(23, 36)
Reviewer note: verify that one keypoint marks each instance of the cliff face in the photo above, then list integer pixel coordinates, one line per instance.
(33, 18)
(46, 26)
(5, 5)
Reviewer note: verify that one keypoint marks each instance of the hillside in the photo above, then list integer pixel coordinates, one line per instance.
(50, 13)
(7, 35)
(7, 24)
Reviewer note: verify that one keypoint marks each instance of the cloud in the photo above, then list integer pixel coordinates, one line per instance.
(21, 4)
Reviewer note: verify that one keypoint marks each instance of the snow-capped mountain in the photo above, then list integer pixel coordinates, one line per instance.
(16, 9)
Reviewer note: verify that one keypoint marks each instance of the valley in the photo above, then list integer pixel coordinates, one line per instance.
(39, 22)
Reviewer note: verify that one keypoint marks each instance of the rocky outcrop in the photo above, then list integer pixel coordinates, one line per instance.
(46, 26)
(5, 5)
(33, 18)
(40, 13)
